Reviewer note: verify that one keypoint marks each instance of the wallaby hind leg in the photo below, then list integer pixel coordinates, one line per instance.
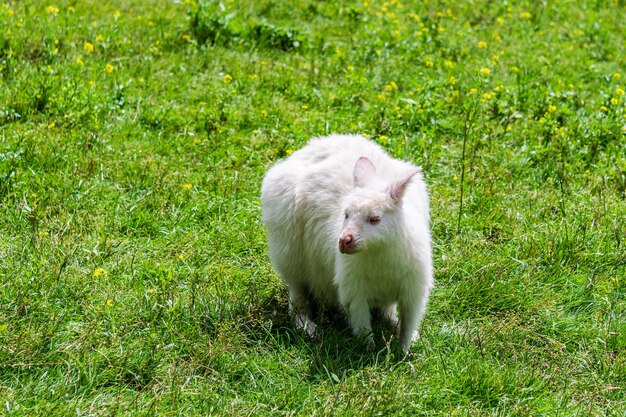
(299, 307)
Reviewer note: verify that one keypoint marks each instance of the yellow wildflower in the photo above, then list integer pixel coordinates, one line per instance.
(619, 91)
(452, 80)
(617, 75)
(52, 10)
(391, 86)
(187, 186)
(88, 47)
(99, 271)
(551, 108)
(99, 38)
(304, 107)
(485, 71)
(526, 15)
(109, 303)
(430, 64)
(289, 151)
(228, 78)
(109, 68)
(482, 45)
(614, 101)
(51, 125)
(42, 234)
(117, 14)
(448, 64)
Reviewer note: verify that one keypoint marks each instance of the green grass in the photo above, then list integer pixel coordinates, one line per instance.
(134, 275)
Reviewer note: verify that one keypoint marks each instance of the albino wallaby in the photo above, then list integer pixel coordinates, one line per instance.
(347, 224)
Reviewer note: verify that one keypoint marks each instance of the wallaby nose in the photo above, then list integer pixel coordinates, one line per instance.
(346, 243)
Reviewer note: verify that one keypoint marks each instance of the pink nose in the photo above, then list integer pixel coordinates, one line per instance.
(347, 243)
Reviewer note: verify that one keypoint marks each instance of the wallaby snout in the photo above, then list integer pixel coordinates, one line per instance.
(347, 243)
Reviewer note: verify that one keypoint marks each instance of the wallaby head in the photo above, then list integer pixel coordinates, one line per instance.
(371, 210)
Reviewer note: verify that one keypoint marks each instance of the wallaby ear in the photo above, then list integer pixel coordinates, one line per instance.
(396, 188)
(364, 172)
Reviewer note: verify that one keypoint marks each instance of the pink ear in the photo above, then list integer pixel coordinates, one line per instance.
(364, 171)
(396, 189)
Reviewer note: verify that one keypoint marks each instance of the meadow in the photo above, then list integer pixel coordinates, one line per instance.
(134, 135)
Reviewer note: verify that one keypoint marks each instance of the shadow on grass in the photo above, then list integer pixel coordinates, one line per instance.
(334, 352)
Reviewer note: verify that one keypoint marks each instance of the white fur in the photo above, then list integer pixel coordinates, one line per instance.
(386, 236)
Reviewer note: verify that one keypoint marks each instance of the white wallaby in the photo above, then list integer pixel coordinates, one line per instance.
(347, 224)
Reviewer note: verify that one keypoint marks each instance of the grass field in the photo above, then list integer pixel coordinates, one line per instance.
(134, 275)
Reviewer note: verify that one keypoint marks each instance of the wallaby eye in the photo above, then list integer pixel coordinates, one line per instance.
(345, 215)
(374, 220)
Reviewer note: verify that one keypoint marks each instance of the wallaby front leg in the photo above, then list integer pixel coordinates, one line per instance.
(360, 320)
(391, 315)
(411, 313)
